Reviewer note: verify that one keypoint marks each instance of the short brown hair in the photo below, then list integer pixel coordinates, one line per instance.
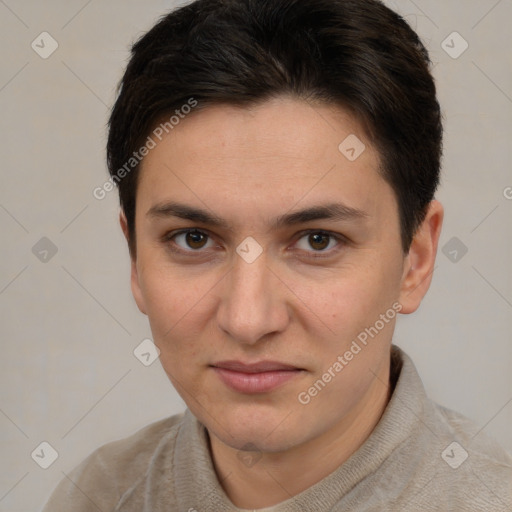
(355, 53)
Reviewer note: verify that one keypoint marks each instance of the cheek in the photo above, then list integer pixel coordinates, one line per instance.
(347, 324)
(347, 309)
(178, 308)
(351, 299)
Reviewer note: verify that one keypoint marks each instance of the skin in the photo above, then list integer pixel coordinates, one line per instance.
(299, 303)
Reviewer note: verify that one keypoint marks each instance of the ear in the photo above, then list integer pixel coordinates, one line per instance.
(419, 262)
(134, 273)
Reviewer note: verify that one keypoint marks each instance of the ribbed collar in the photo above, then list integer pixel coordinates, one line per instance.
(197, 487)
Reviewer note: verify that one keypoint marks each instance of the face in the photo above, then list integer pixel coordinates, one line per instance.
(263, 252)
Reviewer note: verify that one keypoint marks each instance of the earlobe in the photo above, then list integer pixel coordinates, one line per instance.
(124, 224)
(420, 261)
(136, 287)
(134, 273)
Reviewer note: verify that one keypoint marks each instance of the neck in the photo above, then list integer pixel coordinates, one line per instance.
(279, 476)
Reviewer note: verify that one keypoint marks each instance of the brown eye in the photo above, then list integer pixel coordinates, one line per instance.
(195, 239)
(192, 240)
(318, 241)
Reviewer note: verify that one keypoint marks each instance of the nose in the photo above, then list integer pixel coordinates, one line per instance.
(253, 303)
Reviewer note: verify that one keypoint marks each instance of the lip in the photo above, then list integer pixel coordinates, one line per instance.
(257, 367)
(259, 377)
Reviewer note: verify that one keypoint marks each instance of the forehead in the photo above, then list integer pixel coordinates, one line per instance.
(283, 127)
(273, 153)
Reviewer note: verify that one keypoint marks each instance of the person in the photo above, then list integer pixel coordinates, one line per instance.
(277, 163)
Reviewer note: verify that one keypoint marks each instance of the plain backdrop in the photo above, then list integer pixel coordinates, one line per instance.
(69, 324)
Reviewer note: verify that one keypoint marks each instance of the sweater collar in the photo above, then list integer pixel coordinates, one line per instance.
(197, 487)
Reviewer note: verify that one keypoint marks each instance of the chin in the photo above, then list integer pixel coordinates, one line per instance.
(254, 440)
(264, 429)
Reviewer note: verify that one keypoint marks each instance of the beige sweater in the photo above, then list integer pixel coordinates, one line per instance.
(407, 464)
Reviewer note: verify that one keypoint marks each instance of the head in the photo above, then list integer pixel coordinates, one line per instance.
(280, 203)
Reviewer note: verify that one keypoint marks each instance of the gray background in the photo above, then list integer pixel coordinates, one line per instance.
(69, 324)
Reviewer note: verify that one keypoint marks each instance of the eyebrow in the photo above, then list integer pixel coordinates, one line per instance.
(331, 211)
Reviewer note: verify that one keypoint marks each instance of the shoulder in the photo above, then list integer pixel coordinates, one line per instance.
(452, 463)
(102, 479)
(472, 435)
(474, 470)
(130, 454)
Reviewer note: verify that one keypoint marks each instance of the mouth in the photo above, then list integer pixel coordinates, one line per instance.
(259, 377)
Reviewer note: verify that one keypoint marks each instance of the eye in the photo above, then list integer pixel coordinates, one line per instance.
(191, 240)
(319, 241)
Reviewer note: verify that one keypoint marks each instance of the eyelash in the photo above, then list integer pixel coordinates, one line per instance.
(169, 238)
